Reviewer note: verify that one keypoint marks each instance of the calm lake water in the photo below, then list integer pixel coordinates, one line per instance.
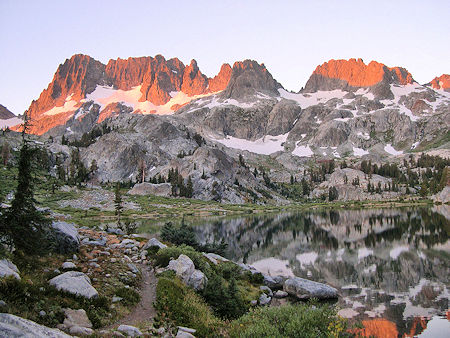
(391, 266)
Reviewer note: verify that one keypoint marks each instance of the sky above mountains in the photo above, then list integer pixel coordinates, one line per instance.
(290, 37)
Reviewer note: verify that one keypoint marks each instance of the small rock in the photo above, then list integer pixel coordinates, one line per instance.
(57, 271)
(113, 260)
(76, 318)
(68, 266)
(134, 269)
(74, 257)
(264, 299)
(81, 331)
(42, 313)
(7, 268)
(94, 265)
(280, 294)
(182, 334)
(254, 302)
(161, 331)
(129, 330)
(186, 329)
(266, 290)
(116, 299)
(154, 242)
(2, 304)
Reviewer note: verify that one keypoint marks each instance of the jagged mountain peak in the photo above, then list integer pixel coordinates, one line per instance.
(354, 74)
(248, 77)
(442, 82)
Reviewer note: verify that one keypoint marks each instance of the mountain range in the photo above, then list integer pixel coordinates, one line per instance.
(152, 108)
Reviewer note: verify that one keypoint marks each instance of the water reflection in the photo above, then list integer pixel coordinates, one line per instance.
(391, 265)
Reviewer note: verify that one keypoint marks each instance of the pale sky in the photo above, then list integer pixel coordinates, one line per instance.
(290, 37)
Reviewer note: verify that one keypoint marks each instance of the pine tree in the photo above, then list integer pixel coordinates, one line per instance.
(189, 188)
(23, 225)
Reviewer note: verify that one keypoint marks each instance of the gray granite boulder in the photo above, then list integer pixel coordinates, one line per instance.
(305, 289)
(185, 269)
(264, 299)
(8, 268)
(76, 283)
(129, 331)
(65, 237)
(162, 189)
(13, 326)
(215, 258)
(154, 242)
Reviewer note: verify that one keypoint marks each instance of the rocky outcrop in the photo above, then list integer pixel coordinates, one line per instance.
(443, 196)
(13, 326)
(8, 268)
(248, 78)
(306, 289)
(76, 283)
(5, 114)
(442, 82)
(354, 73)
(154, 242)
(220, 81)
(161, 189)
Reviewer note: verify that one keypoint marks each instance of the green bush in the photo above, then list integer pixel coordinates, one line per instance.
(302, 320)
(180, 304)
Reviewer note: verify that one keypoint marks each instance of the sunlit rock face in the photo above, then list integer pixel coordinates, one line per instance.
(441, 82)
(354, 74)
(152, 81)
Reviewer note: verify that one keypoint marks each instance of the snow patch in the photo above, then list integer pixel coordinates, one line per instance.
(311, 99)
(69, 105)
(359, 152)
(265, 145)
(390, 150)
(13, 121)
(302, 151)
(394, 253)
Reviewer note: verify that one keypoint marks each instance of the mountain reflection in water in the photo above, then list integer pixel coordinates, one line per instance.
(390, 265)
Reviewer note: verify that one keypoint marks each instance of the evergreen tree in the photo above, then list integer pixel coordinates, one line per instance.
(22, 225)
(189, 188)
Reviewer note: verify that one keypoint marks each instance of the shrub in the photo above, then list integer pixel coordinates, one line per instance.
(301, 320)
(180, 304)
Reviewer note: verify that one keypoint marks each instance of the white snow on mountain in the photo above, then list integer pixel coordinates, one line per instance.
(303, 151)
(390, 150)
(311, 99)
(13, 121)
(265, 145)
(359, 152)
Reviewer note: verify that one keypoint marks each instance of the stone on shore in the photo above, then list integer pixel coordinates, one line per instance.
(305, 289)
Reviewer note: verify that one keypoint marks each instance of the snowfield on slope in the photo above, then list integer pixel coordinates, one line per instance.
(264, 146)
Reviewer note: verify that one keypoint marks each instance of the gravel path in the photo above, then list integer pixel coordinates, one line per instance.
(144, 310)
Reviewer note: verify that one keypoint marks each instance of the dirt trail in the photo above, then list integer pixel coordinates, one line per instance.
(144, 310)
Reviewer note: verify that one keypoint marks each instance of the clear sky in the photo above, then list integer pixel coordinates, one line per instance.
(290, 37)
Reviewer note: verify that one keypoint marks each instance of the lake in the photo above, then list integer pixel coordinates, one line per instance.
(391, 266)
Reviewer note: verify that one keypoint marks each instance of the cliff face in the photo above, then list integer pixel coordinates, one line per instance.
(441, 82)
(348, 74)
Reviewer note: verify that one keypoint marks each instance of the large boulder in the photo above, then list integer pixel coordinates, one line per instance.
(185, 269)
(76, 283)
(7, 268)
(305, 289)
(13, 326)
(129, 331)
(162, 189)
(65, 237)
